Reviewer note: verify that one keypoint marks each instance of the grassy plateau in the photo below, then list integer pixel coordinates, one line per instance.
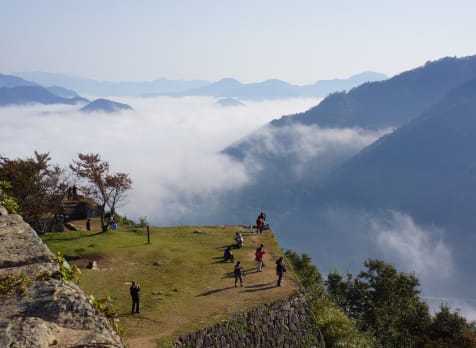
(185, 285)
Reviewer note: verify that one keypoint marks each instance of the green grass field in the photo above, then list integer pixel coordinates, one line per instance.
(184, 283)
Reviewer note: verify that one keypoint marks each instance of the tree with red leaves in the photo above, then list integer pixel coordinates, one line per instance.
(107, 189)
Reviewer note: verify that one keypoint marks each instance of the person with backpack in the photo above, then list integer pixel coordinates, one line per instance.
(259, 253)
(260, 222)
(238, 272)
(280, 269)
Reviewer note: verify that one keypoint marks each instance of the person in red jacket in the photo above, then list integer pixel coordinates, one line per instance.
(259, 257)
(259, 224)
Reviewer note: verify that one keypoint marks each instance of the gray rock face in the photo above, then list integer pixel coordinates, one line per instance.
(47, 312)
(22, 250)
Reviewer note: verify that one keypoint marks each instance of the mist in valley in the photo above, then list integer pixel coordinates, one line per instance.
(173, 150)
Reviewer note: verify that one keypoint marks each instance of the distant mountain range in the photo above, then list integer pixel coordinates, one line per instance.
(227, 87)
(107, 88)
(11, 81)
(17, 91)
(388, 103)
(34, 95)
(425, 170)
(276, 89)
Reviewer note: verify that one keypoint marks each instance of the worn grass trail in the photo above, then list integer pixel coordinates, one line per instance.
(185, 285)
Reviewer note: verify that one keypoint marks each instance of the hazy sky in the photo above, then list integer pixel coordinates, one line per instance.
(298, 41)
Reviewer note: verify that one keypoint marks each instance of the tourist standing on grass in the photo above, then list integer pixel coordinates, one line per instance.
(239, 240)
(280, 269)
(259, 224)
(238, 271)
(259, 257)
(88, 224)
(135, 289)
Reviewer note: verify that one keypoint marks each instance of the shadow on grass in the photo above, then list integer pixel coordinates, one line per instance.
(133, 245)
(259, 287)
(223, 261)
(232, 274)
(81, 236)
(211, 292)
(138, 316)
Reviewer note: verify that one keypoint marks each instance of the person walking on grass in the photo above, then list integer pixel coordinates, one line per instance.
(259, 257)
(280, 269)
(238, 271)
(134, 290)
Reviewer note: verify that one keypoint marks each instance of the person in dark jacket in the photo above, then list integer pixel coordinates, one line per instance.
(228, 255)
(238, 271)
(135, 289)
(280, 269)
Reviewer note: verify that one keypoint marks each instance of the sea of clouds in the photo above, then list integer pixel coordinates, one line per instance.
(171, 147)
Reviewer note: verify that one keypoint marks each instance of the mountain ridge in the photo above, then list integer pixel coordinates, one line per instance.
(227, 87)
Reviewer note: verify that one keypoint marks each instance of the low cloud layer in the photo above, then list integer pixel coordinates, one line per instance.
(309, 148)
(342, 238)
(171, 149)
(169, 146)
(417, 249)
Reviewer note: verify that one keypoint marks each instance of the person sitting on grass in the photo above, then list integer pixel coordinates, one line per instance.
(239, 240)
(228, 255)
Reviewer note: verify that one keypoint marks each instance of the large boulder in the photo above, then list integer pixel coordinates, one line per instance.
(39, 311)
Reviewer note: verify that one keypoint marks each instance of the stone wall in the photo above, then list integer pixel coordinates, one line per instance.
(286, 323)
(41, 311)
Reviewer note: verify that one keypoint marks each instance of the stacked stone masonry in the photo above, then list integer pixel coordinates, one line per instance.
(286, 323)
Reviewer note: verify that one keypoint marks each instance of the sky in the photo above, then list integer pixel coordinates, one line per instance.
(297, 41)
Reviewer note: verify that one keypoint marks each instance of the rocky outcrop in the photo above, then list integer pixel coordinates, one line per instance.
(286, 323)
(37, 310)
(22, 250)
